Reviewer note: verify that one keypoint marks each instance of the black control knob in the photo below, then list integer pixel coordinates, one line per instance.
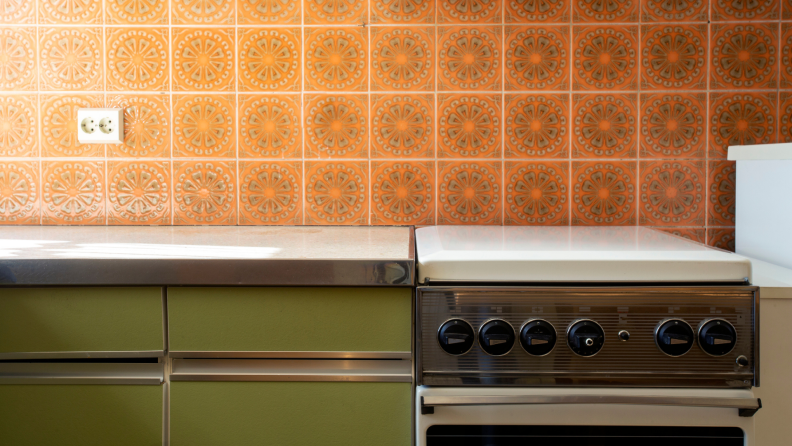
(674, 337)
(456, 337)
(717, 337)
(585, 337)
(496, 337)
(537, 337)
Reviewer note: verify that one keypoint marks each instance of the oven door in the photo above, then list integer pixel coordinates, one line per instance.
(483, 416)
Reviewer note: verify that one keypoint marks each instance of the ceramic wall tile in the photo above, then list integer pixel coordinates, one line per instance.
(611, 11)
(266, 12)
(785, 118)
(674, 57)
(18, 126)
(722, 187)
(402, 11)
(138, 193)
(59, 126)
(469, 11)
(726, 10)
(722, 238)
(270, 193)
(537, 193)
(786, 55)
(137, 59)
(203, 59)
(469, 57)
(469, 126)
(336, 126)
(70, 59)
(738, 119)
(18, 59)
(604, 125)
(470, 193)
(335, 12)
(673, 126)
(537, 126)
(336, 59)
(531, 11)
(786, 9)
(204, 193)
(18, 12)
(269, 59)
(269, 126)
(20, 197)
(744, 56)
(336, 192)
(71, 12)
(402, 58)
(136, 12)
(605, 57)
(537, 57)
(73, 193)
(197, 12)
(402, 193)
(146, 126)
(604, 193)
(673, 11)
(204, 126)
(402, 126)
(672, 193)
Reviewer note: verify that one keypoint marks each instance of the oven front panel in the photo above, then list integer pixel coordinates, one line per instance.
(637, 361)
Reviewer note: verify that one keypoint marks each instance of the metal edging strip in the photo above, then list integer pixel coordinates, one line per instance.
(81, 373)
(286, 355)
(83, 355)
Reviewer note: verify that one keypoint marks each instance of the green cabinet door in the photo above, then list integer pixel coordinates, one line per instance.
(290, 414)
(80, 415)
(290, 319)
(80, 319)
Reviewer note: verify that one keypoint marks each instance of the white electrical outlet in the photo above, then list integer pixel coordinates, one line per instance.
(100, 125)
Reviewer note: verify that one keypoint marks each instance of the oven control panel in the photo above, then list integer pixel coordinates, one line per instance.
(660, 336)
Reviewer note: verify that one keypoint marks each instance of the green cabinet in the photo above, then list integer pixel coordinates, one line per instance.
(80, 415)
(290, 414)
(80, 320)
(290, 319)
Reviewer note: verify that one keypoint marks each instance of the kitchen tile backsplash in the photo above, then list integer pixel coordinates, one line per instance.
(393, 112)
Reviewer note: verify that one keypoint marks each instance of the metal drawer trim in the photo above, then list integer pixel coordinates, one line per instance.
(81, 373)
(288, 354)
(84, 354)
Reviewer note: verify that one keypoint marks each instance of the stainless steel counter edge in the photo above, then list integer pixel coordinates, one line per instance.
(210, 272)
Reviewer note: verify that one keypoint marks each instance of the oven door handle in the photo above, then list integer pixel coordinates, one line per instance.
(747, 406)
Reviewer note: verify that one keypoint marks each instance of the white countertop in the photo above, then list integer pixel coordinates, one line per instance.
(781, 151)
(775, 282)
(569, 254)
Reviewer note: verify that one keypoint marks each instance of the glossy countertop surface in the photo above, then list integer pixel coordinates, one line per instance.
(570, 254)
(192, 255)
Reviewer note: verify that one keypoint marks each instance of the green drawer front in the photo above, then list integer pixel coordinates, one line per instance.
(75, 415)
(290, 413)
(289, 319)
(80, 319)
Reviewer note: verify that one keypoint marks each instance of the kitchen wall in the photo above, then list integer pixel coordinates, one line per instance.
(515, 112)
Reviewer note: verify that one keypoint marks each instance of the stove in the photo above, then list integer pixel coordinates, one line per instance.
(607, 323)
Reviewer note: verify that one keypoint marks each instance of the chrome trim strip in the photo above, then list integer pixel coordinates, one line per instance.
(647, 400)
(81, 373)
(216, 272)
(287, 355)
(306, 370)
(83, 355)
(756, 329)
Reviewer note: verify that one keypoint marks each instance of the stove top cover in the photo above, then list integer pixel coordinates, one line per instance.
(570, 254)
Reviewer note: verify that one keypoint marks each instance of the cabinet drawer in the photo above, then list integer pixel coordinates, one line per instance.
(290, 319)
(68, 320)
(80, 415)
(290, 413)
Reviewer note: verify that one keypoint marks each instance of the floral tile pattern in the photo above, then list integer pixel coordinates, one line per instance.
(537, 193)
(391, 112)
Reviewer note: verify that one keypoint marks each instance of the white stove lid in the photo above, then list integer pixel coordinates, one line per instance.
(569, 254)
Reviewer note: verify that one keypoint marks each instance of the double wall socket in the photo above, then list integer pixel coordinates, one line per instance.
(100, 125)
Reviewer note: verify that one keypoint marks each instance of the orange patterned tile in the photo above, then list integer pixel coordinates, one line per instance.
(744, 56)
(137, 59)
(786, 55)
(335, 59)
(722, 238)
(402, 193)
(722, 187)
(335, 12)
(672, 193)
(204, 193)
(71, 12)
(136, 12)
(146, 126)
(210, 12)
(20, 197)
(402, 126)
(18, 59)
(674, 11)
(336, 193)
(674, 57)
(18, 12)
(266, 12)
(138, 193)
(604, 125)
(269, 59)
(537, 126)
(740, 119)
(469, 193)
(529, 11)
(729, 10)
(469, 11)
(70, 59)
(786, 10)
(605, 58)
(203, 59)
(469, 58)
(469, 126)
(18, 126)
(336, 126)
(73, 193)
(537, 58)
(203, 126)
(537, 193)
(693, 234)
(603, 193)
(673, 125)
(402, 11)
(270, 193)
(611, 11)
(785, 118)
(402, 58)
(269, 127)
(59, 126)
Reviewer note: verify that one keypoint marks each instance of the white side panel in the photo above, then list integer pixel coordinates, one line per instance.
(764, 211)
